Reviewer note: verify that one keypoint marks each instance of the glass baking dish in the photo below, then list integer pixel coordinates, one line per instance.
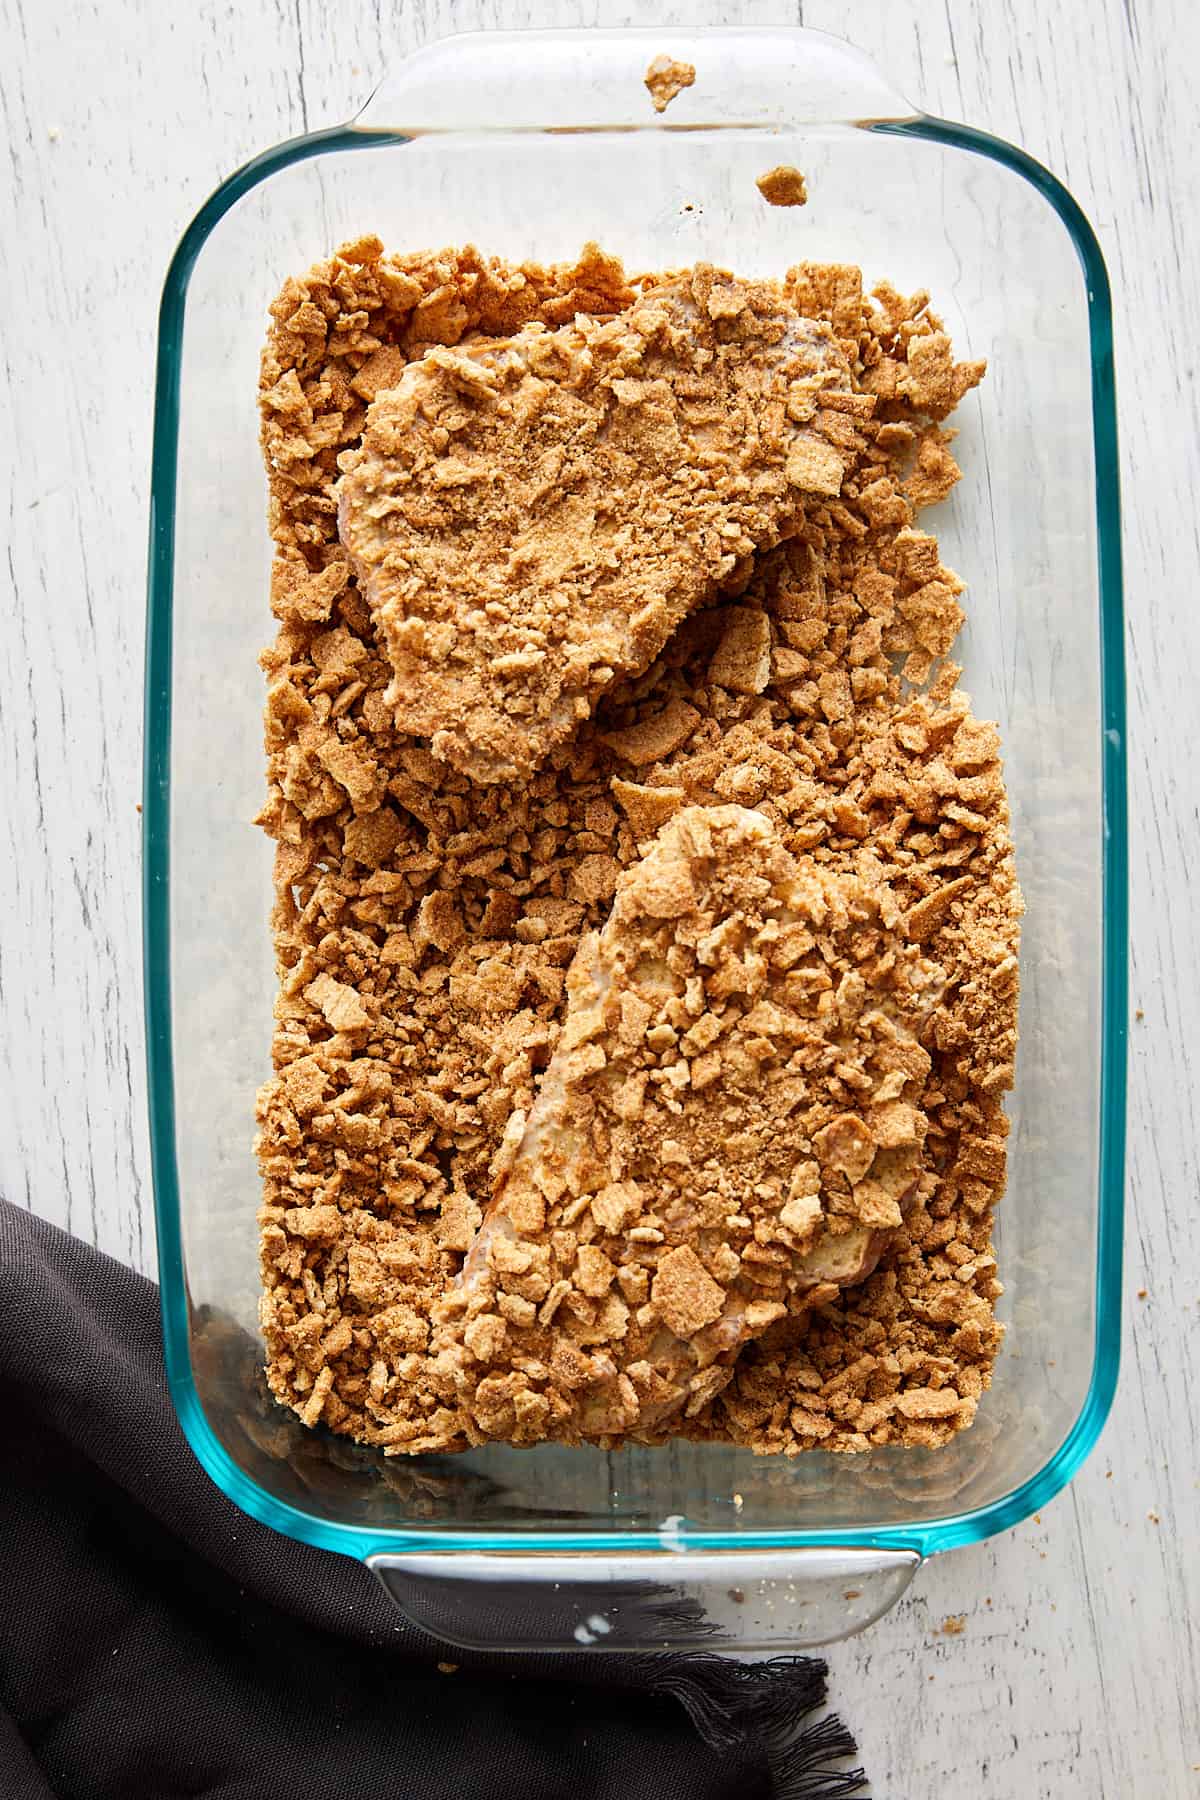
(528, 144)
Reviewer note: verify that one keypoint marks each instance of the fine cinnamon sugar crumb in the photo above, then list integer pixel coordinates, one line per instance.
(426, 924)
(783, 186)
(665, 78)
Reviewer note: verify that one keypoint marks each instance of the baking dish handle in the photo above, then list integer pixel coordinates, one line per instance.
(585, 79)
(646, 1600)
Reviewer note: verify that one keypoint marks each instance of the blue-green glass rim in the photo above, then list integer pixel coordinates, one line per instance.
(928, 1536)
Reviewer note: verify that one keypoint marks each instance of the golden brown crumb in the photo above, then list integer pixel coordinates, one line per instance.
(451, 912)
(954, 1625)
(531, 519)
(665, 78)
(783, 186)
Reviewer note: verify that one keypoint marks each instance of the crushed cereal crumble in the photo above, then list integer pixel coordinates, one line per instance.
(432, 931)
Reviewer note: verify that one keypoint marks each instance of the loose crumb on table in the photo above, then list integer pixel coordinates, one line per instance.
(783, 186)
(665, 78)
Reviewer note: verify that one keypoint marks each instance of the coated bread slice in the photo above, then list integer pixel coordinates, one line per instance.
(531, 518)
(727, 1133)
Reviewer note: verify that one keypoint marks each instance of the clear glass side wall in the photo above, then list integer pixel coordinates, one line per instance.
(1005, 272)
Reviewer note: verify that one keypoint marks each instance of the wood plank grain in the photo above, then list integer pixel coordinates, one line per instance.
(1078, 1671)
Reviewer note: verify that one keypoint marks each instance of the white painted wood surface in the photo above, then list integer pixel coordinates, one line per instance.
(1078, 1670)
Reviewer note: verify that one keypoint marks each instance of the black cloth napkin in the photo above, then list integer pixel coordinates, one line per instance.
(157, 1643)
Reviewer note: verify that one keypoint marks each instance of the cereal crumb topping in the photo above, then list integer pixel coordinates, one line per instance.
(455, 954)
